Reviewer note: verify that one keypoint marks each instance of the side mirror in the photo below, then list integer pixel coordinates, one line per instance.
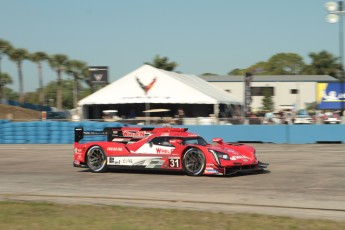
(218, 140)
(175, 142)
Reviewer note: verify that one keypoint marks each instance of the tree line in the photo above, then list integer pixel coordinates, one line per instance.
(60, 63)
(322, 63)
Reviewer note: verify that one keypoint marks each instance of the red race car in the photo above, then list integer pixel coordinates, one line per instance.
(163, 148)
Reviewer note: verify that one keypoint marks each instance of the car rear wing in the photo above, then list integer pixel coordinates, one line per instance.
(123, 134)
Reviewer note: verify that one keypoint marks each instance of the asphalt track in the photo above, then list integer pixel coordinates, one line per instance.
(306, 181)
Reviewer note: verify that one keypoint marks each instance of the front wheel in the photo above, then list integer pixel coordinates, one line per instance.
(194, 162)
(96, 159)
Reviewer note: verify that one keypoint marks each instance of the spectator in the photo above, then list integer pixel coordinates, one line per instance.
(180, 116)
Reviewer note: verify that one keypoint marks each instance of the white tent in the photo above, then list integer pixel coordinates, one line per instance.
(167, 87)
(151, 85)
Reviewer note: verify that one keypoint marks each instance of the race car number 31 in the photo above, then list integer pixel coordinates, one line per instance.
(174, 163)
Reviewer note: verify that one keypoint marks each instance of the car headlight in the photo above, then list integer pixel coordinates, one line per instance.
(219, 155)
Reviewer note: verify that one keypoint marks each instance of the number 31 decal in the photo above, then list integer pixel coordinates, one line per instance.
(174, 163)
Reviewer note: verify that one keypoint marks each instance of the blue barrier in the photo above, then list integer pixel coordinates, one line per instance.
(308, 134)
(48, 132)
(242, 133)
(54, 132)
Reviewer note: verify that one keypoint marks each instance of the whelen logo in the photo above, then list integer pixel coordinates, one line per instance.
(133, 133)
(163, 151)
(146, 88)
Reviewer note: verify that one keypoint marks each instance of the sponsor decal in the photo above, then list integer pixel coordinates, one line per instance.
(192, 135)
(146, 88)
(120, 139)
(331, 95)
(211, 171)
(78, 151)
(134, 133)
(232, 151)
(111, 160)
(115, 161)
(164, 150)
(127, 161)
(114, 149)
(148, 162)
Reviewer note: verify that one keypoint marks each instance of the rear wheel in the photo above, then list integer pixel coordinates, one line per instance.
(194, 162)
(96, 159)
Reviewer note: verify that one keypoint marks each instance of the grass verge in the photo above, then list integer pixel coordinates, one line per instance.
(40, 215)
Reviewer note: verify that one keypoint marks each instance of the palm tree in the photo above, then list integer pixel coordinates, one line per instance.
(6, 79)
(162, 63)
(37, 58)
(75, 68)
(18, 56)
(58, 63)
(5, 47)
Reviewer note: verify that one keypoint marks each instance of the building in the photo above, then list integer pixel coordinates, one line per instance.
(289, 91)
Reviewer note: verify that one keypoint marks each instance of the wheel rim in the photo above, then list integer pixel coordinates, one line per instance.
(96, 159)
(194, 161)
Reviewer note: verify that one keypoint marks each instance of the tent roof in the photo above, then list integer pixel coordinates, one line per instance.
(161, 87)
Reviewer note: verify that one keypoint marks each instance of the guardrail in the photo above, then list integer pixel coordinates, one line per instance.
(62, 132)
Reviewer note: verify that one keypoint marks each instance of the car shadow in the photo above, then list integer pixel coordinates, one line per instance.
(175, 173)
(241, 174)
(137, 171)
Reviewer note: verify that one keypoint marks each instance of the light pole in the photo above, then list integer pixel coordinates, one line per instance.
(335, 14)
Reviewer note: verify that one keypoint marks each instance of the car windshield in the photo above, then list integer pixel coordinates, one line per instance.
(164, 140)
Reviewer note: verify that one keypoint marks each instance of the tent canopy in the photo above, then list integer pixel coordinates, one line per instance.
(151, 85)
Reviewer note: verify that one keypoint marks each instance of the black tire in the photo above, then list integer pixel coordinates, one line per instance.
(96, 159)
(194, 162)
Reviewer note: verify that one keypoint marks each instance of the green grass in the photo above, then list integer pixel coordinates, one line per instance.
(35, 216)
